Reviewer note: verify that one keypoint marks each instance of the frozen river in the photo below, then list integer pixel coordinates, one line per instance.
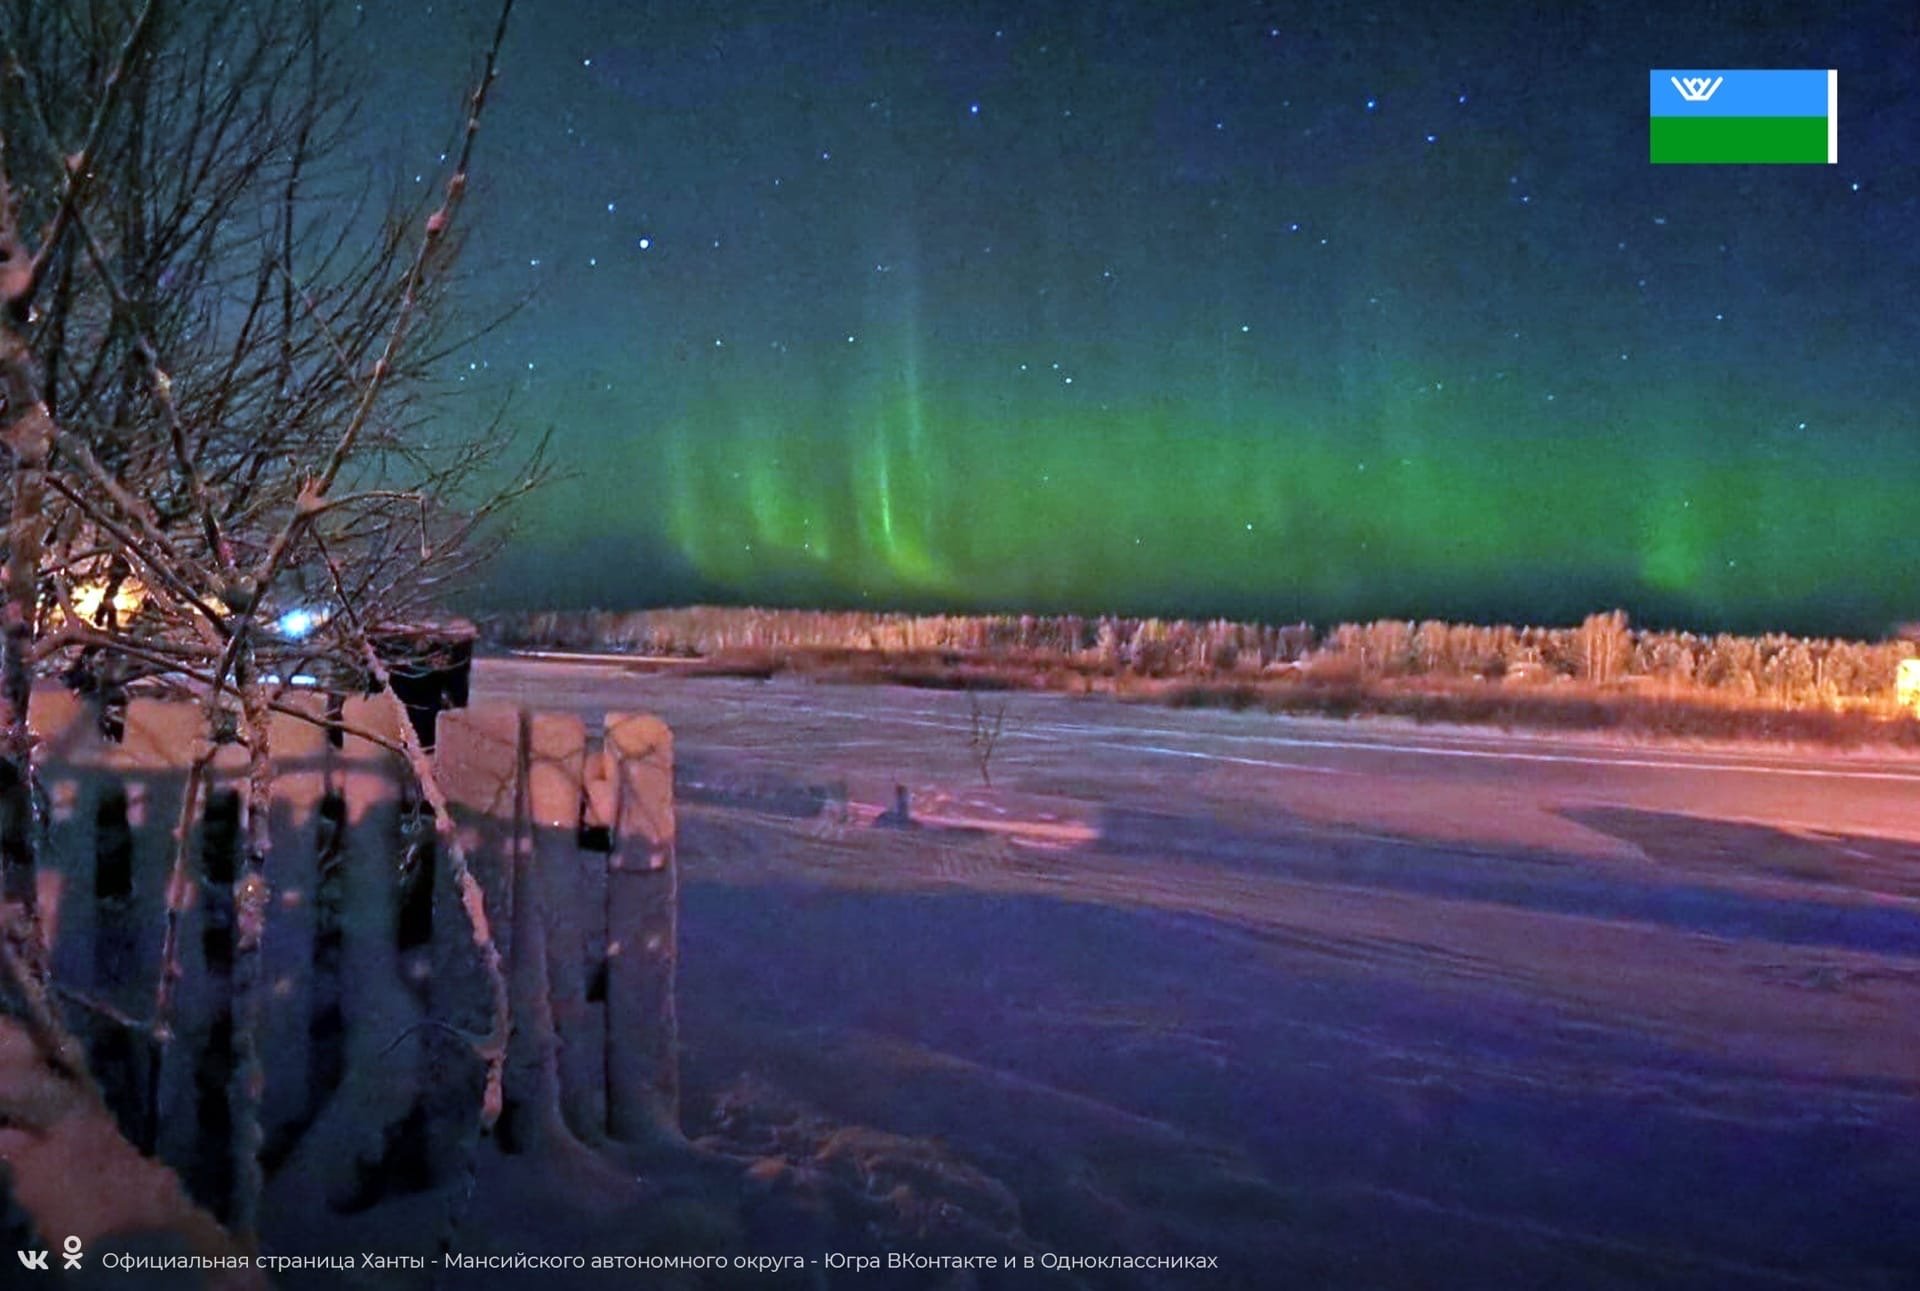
(1338, 1003)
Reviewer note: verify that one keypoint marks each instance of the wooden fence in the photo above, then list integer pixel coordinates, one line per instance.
(369, 964)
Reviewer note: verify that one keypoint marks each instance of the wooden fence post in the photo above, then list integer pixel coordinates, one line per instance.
(484, 764)
(157, 744)
(643, 1064)
(377, 1011)
(573, 890)
(549, 977)
(288, 954)
(211, 1175)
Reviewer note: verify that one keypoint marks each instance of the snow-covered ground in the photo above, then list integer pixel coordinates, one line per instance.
(1338, 1004)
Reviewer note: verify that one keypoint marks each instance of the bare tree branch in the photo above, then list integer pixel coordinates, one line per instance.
(219, 398)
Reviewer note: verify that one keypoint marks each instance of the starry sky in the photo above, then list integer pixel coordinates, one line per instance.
(1270, 310)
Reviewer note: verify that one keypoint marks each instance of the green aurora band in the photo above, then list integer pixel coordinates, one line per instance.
(913, 493)
(1355, 327)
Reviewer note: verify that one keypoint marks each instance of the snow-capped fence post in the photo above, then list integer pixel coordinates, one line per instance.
(554, 977)
(642, 895)
(302, 758)
(478, 756)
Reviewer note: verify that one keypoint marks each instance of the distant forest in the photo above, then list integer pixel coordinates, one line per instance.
(1605, 651)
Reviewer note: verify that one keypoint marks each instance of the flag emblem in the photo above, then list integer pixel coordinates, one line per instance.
(1750, 115)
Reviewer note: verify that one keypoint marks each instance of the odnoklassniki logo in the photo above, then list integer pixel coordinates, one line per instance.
(70, 1250)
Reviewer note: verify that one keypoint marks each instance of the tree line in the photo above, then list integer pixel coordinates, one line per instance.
(1604, 650)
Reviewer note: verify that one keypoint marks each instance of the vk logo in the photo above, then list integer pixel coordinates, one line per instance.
(33, 1259)
(1696, 89)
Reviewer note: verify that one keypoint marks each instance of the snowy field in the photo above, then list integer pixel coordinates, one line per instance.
(1337, 1004)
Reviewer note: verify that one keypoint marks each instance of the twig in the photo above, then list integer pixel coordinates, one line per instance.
(179, 892)
(94, 1004)
(79, 167)
(120, 645)
(492, 1050)
(251, 894)
(22, 964)
(472, 1039)
(314, 492)
(185, 460)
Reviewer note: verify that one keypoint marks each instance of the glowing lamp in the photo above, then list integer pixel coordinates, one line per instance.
(1906, 685)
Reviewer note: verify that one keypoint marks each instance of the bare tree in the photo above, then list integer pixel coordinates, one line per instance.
(984, 724)
(218, 378)
(1605, 646)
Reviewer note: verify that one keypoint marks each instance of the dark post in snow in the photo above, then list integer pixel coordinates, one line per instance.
(211, 1177)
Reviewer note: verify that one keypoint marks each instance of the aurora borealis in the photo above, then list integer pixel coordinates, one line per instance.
(1266, 310)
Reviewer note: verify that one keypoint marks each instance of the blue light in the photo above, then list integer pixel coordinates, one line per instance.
(297, 624)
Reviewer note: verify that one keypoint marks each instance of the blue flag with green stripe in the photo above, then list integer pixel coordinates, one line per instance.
(1743, 115)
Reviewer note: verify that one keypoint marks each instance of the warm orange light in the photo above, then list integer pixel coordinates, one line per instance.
(128, 598)
(1906, 685)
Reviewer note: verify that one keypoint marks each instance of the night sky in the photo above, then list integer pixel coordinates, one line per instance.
(1279, 311)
